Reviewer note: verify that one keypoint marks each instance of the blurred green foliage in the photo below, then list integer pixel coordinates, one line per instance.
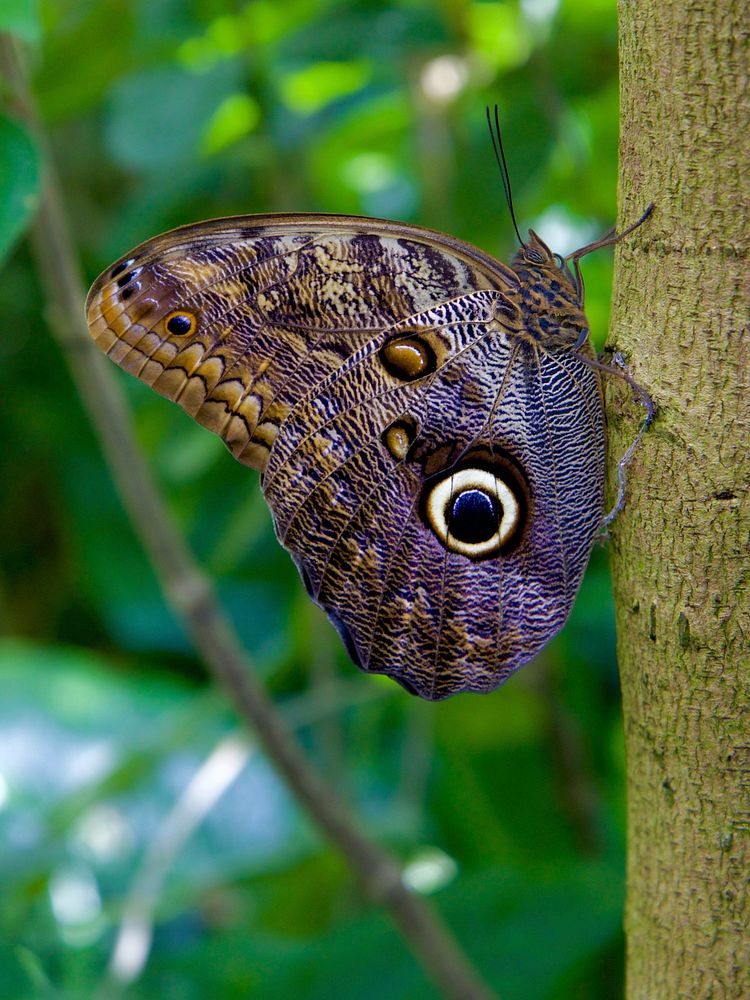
(507, 807)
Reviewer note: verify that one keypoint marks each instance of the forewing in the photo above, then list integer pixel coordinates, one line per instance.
(275, 304)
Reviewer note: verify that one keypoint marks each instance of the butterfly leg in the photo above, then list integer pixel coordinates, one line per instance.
(620, 369)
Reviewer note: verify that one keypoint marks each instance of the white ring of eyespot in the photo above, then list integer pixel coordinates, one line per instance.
(442, 495)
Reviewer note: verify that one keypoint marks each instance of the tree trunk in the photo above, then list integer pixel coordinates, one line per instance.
(680, 546)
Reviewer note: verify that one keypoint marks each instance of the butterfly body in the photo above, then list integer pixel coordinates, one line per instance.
(426, 421)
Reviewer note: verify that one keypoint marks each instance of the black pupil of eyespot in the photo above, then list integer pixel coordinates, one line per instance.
(474, 516)
(179, 324)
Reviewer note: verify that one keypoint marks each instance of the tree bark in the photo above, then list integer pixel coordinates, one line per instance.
(681, 306)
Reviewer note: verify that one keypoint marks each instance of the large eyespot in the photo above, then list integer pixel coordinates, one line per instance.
(179, 323)
(408, 358)
(477, 512)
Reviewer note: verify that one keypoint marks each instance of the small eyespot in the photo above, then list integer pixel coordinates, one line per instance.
(127, 278)
(476, 512)
(128, 292)
(119, 268)
(408, 358)
(399, 436)
(179, 323)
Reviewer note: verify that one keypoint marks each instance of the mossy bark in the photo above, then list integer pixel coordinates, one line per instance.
(680, 547)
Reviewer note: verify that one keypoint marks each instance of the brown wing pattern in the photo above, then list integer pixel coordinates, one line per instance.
(279, 302)
(434, 470)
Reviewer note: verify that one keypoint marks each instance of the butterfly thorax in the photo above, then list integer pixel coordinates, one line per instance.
(547, 295)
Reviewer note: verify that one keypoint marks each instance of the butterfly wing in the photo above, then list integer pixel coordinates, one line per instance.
(421, 458)
(365, 475)
(237, 319)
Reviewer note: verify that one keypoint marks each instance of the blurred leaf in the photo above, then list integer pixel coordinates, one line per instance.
(583, 49)
(258, 24)
(499, 34)
(526, 936)
(86, 46)
(77, 735)
(558, 920)
(308, 90)
(146, 134)
(77, 689)
(21, 17)
(361, 162)
(235, 117)
(23, 975)
(19, 183)
(388, 32)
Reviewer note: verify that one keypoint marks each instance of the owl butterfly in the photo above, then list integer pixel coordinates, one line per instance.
(427, 421)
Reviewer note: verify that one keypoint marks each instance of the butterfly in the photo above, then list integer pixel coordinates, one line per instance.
(427, 421)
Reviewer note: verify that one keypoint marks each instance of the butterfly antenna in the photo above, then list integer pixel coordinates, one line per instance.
(497, 145)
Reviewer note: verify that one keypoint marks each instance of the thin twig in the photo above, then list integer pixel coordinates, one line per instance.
(211, 780)
(135, 935)
(193, 598)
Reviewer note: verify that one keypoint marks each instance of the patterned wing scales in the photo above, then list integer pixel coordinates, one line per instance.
(434, 471)
(238, 319)
(351, 508)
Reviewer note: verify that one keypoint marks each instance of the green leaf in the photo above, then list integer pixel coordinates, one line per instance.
(20, 17)
(19, 183)
(146, 133)
(235, 117)
(31, 964)
(312, 88)
(499, 34)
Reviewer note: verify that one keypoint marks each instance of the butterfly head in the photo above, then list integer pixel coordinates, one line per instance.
(535, 259)
(551, 275)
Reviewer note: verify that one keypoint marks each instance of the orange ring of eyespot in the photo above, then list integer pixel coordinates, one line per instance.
(184, 315)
